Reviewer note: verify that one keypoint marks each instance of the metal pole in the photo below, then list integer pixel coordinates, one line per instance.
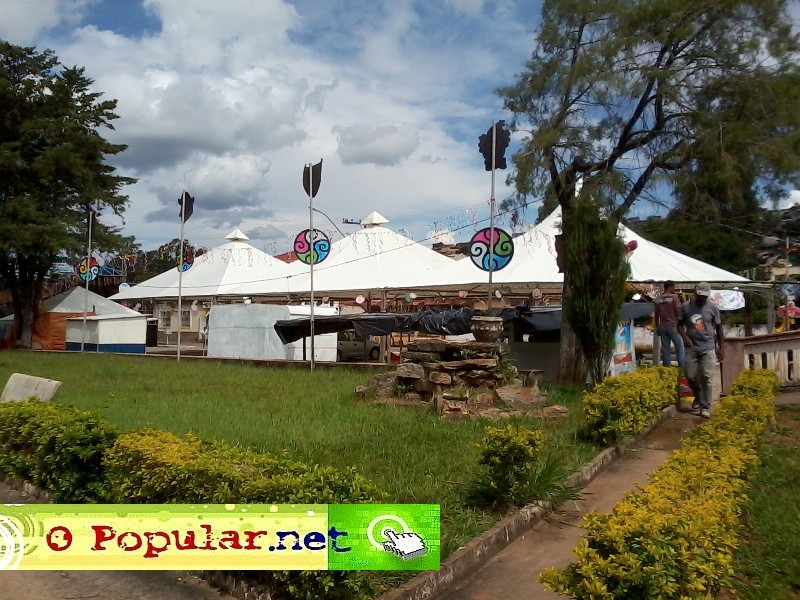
(311, 227)
(491, 218)
(180, 272)
(88, 273)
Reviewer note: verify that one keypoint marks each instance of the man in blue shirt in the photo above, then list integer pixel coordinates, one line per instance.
(701, 329)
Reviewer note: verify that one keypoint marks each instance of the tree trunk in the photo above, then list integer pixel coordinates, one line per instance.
(572, 367)
(25, 296)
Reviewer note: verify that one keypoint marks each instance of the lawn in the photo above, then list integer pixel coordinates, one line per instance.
(767, 565)
(412, 454)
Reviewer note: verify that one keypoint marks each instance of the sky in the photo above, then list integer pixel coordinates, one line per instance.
(228, 100)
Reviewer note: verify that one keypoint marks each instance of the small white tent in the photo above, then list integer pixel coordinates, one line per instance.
(214, 273)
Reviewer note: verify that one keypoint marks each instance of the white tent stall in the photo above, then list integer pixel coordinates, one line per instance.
(124, 333)
(248, 331)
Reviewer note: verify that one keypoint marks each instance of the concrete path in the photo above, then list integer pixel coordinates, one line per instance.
(98, 585)
(513, 573)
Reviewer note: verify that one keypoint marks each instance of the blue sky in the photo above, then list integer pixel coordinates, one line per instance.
(229, 99)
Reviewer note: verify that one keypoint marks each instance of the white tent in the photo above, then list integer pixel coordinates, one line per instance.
(651, 262)
(372, 258)
(214, 273)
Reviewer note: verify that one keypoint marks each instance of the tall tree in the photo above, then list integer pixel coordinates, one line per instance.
(620, 95)
(52, 170)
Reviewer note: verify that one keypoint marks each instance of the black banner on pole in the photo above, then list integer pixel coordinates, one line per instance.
(315, 172)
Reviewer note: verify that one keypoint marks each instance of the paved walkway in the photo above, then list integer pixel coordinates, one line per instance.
(513, 572)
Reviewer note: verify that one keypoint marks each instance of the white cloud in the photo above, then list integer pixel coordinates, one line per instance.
(382, 145)
(21, 21)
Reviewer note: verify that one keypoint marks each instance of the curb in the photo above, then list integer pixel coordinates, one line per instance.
(26, 487)
(467, 559)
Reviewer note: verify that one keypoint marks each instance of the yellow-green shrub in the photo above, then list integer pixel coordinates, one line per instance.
(508, 457)
(56, 447)
(155, 467)
(622, 406)
(676, 538)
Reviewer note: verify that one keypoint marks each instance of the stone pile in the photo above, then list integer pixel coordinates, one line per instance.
(460, 380)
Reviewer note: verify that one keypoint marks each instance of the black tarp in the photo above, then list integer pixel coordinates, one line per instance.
(436, 322)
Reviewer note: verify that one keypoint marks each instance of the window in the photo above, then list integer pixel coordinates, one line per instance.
(186, 319)
(165, 319)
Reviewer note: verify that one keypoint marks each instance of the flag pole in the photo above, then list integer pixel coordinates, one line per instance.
(88, 276)
(311, 227)
(491, 217)
(180, 270)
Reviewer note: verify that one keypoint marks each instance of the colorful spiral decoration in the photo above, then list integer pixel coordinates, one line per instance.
(90, 272)
(482, 246)
(188, 258)
(312, 246)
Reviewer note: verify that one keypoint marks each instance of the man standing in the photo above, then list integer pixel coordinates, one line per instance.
(667, 315)
(701, 328)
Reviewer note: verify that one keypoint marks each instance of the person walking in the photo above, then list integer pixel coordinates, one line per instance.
(668, 312)
(701, 328)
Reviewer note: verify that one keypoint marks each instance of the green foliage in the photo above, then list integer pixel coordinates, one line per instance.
(156, 467)
(676, 539)
(622, 406)
(52, 169)
(57, 447)
(508, 456)
(598, 272)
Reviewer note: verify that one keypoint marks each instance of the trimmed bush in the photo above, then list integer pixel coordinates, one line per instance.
(157, 467)
(676, 539)
(508, 458)
(622, 406)
(56, 447)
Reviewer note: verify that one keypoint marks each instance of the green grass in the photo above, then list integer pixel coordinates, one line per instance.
(414, 455)
(767, 563)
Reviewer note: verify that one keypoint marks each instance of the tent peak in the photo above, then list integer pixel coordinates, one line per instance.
(374, 219)
(236, 235)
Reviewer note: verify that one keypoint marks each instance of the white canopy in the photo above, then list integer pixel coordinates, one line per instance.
(214, 273)
(372, 258)
(651, 262)
(79, 299)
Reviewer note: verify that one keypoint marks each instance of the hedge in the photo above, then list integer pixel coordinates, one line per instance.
(623, 405)
(56, 447)
(676, 539)
(157, 467)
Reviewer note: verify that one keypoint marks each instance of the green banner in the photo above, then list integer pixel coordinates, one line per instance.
(220, 537)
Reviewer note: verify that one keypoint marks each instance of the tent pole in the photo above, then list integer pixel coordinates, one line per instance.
(311, 227)
(88, 277)
(491, 219)
(180, 271)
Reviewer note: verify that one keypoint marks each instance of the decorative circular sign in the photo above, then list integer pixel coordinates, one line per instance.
(188, 258)
(312, 246)
(90, 272)
(482, 246)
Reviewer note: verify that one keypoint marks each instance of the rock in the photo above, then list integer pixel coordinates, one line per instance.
(457, 395)
(519, 396)
(555, 412)
(472, 363)
(472, 375)
(437, 346)
(382, 385)
(423, 385)
(450, 406)
(483, 398)
(361, 391)
(440, 378)
(410, 371)
(413, 397)
(21, 387)
(420, 356)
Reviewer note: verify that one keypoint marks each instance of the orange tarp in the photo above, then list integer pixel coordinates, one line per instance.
(50, 330)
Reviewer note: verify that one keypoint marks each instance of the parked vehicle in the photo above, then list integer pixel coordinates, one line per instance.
(349, 348)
